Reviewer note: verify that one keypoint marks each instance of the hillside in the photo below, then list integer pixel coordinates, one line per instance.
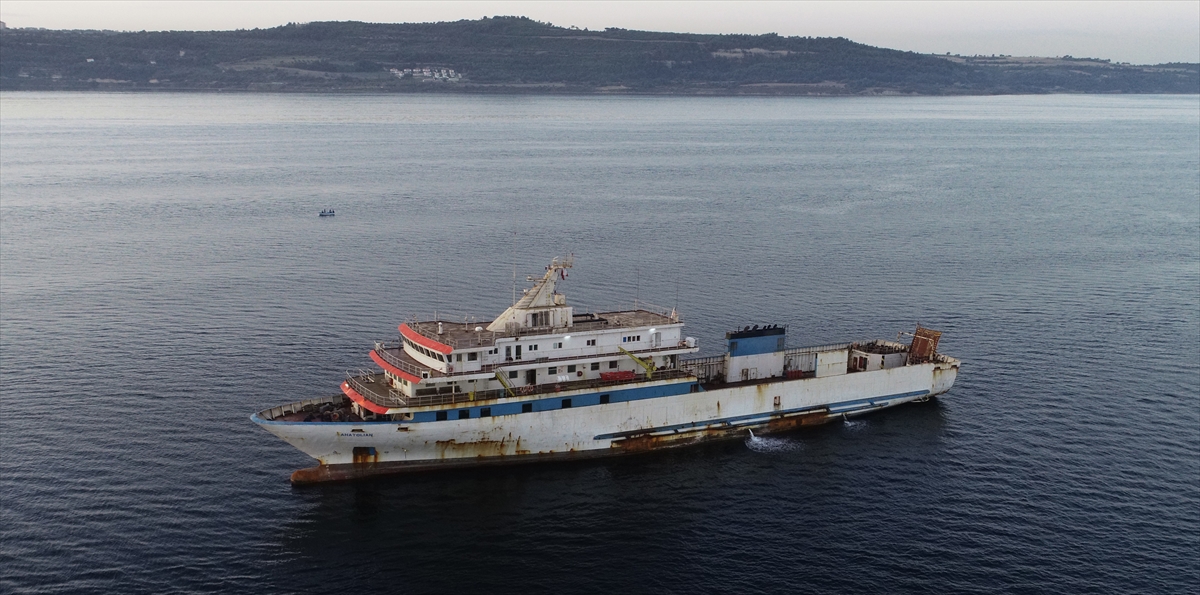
(516, 54)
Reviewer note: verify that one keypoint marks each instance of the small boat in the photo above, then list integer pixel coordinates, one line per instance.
(327, 213)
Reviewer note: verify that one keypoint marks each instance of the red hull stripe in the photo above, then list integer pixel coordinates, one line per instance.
(424, 341)
(393, 369)
(357, 398)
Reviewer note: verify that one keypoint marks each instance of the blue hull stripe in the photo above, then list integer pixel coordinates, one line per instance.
(549, 403)
(620, 396)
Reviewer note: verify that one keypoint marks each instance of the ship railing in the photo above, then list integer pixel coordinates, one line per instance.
(370, 390)
(669, 313)
(312, 404)
(514, 329)
(381, 349)
(513, 362)
(537, 390)
(705, 368)
(817, 348)
(425, 330)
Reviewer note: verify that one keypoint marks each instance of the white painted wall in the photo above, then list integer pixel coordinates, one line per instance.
(832, 363)
(750, 367)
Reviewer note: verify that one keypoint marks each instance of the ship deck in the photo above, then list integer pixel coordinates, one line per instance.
(375, 388)
(397, 356)
(460, 335)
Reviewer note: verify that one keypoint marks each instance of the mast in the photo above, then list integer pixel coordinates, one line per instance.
(541, 305)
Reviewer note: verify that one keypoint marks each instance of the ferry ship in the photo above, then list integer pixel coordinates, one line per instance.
(544, 382)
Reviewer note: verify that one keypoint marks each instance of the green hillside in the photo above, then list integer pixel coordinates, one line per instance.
(516, 54)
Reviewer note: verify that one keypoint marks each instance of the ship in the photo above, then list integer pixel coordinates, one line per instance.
(543, 382)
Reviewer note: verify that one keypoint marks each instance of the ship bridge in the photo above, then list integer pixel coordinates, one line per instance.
(536, 343)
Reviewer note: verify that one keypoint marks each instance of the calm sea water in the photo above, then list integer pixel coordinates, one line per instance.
(163, 275)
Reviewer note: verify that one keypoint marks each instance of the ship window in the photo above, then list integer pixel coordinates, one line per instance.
(473, 356)
(485, 412)
(526, 407)
(595, 365)
(513, 374)
(458, 357)
(571, 369)
(695, 388)
(566, 403)
(604, 399)
(558, 345)
(552, 370)
(440, 416)
(507, 352)
(612, 365)
(591, 342)
(464, 414)
(533, 347)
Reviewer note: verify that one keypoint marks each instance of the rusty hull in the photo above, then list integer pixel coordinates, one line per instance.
(659, 440)
(357, 471)
(490, 452)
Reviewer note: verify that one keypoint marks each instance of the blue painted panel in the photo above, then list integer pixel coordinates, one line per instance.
(552, 403)
(754, 345)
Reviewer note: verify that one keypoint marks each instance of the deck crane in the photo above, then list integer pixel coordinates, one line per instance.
(648, 363)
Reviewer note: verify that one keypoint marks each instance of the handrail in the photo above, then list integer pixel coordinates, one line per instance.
(818, 348)
(392, 399)
(537, 389)
(504, 365)
(519, 331)
(381, 349)
(433, 336)
(634, 307)
(282, 410)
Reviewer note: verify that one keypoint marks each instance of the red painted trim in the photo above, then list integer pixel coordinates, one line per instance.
(424, 341)
(393, 369)
(357, 398)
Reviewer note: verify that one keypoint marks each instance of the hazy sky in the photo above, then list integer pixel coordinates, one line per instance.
(1138, 32)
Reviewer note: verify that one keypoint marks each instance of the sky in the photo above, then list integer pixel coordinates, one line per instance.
(1137, 32)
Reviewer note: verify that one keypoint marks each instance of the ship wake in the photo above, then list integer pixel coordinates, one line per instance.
(768, 444)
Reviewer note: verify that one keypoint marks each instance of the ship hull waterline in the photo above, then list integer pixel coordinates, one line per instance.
(349, 451)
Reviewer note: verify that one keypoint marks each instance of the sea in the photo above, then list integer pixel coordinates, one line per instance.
(164, 274)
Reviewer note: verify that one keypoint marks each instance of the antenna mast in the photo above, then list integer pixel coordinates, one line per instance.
(514, 262)
(637, 296)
